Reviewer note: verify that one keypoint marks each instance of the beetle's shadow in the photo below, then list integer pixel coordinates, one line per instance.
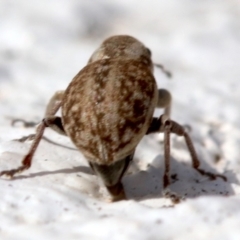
(80, 169)
(141, 185)
(185, 181)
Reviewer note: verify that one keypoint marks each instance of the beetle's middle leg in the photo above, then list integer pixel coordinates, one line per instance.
(167, 126)
(49, 121)
(164, 101)
(56, 97)
(52, 102)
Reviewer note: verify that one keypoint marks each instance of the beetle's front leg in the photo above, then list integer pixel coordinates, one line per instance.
(167, 126)
(27, 160)
(49, 121)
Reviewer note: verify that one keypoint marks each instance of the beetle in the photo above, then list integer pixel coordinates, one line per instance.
(108, 108)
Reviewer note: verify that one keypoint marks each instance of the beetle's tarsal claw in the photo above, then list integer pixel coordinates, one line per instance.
(210, 175)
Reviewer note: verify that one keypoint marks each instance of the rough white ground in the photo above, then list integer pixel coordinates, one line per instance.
(43, 44)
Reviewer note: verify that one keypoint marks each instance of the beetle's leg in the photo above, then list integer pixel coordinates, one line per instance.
(23, 139)
(56, 97)
(111, 176)
(52, 102)
(52, 108)
(55, 123)
(167, 126)
(164, 101)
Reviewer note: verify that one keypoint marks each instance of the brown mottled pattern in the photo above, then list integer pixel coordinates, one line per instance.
(121, 46)
(108, 107)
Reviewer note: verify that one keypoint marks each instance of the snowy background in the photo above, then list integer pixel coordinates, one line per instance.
(43, 44)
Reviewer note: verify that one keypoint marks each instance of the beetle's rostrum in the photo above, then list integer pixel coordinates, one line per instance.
(108, 108)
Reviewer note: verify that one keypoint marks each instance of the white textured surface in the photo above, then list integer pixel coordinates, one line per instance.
(43, 44)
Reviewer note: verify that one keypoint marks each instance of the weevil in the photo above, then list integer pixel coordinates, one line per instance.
(108, 108)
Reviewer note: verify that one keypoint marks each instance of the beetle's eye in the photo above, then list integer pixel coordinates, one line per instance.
(149, 51)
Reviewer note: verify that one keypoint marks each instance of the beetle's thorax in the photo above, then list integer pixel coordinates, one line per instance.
(122, 47)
